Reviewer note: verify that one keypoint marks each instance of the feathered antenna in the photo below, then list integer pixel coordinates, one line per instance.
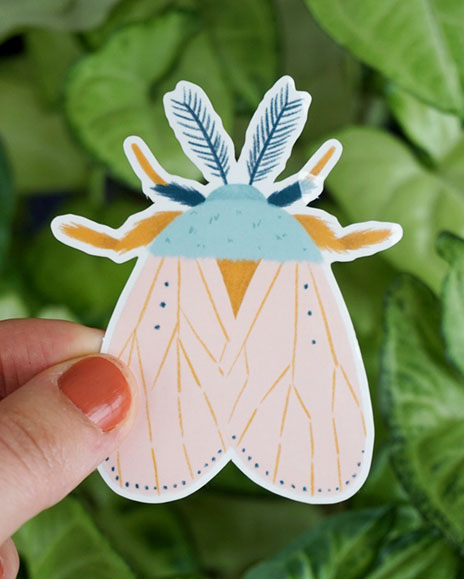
(308, 184)
(199, 130)
(155, 178)
(180, 194)
(273, 130)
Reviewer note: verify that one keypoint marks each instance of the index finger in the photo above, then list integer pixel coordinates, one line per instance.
(29, 346)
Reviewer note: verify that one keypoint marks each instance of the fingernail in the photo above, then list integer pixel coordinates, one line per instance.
(98, 387)
(2, 570)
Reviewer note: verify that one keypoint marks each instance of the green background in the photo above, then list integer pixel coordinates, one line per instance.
(387, 80)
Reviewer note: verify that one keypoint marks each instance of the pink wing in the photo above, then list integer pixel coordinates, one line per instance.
(300, 417)
(170, 327)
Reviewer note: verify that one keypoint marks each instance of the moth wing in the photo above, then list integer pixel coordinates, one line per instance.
(300, 415)
(168, 329)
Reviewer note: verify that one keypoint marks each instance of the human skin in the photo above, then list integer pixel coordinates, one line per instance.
(63, 409)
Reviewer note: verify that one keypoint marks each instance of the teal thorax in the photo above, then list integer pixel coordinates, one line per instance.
(236, 222)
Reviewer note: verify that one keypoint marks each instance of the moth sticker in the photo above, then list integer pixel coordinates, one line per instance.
(232, 320)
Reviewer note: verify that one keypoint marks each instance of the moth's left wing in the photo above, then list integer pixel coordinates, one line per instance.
(300, 417)
(170, 328)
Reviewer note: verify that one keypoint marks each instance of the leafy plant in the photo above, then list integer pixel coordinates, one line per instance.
(422, 390)
(386, 79)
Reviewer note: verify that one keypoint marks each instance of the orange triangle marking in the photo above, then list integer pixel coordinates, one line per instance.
(237, 276)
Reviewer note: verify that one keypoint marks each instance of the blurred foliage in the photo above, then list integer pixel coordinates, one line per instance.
(386, 78)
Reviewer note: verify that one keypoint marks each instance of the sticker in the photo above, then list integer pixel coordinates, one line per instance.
(231, 320)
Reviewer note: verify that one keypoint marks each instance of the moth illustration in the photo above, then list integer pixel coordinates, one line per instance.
(231, 320)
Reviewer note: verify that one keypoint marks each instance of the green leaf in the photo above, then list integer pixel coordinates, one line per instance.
(237, 29)
(88, 285)
(452, 166)
(64, 542)
(233, 37)
(12, 306)
(377, 177)
(7, 198)
(108, 94)
(423, 402)
(430, 129)
(50, 54)
(374, 543)
(126, 12)
(452, 249)
(382, 486)
(42, 154)
(417, 555)
(416, 44)
(320, 66)
(232, 532)
(56, 312)
(117, 91)
(344, 545)
(18, 15)
(153, 538)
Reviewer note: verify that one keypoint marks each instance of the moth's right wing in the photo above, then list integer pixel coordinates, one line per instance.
(300, 416)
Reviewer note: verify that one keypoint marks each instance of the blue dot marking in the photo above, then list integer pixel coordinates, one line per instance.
(256, 465)
(233, 437)
(267, 473)
(304, 489)
(310, 313)
(213, 458)
(359, 464)
(157, 327)
(198, 471)
(293, 486)
(117, 477)
(183, 483)
(127, 484)
(136, 485)
(165, 487)
(243, 450)
(163, 304)
(313, 341)
(306, 286)
(107, 458)
(113, 468)
(249, 458)
(175, 486)
(281, 482)
(166, 283)
(147, 487)
(319, 490)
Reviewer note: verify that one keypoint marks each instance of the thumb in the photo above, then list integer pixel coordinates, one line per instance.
(56, 429)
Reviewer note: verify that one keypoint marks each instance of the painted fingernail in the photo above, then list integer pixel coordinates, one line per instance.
(99, 388)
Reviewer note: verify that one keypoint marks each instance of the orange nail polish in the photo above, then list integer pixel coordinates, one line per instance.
(99, 388)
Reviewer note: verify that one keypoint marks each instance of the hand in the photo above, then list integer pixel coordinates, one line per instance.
(63, 409)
